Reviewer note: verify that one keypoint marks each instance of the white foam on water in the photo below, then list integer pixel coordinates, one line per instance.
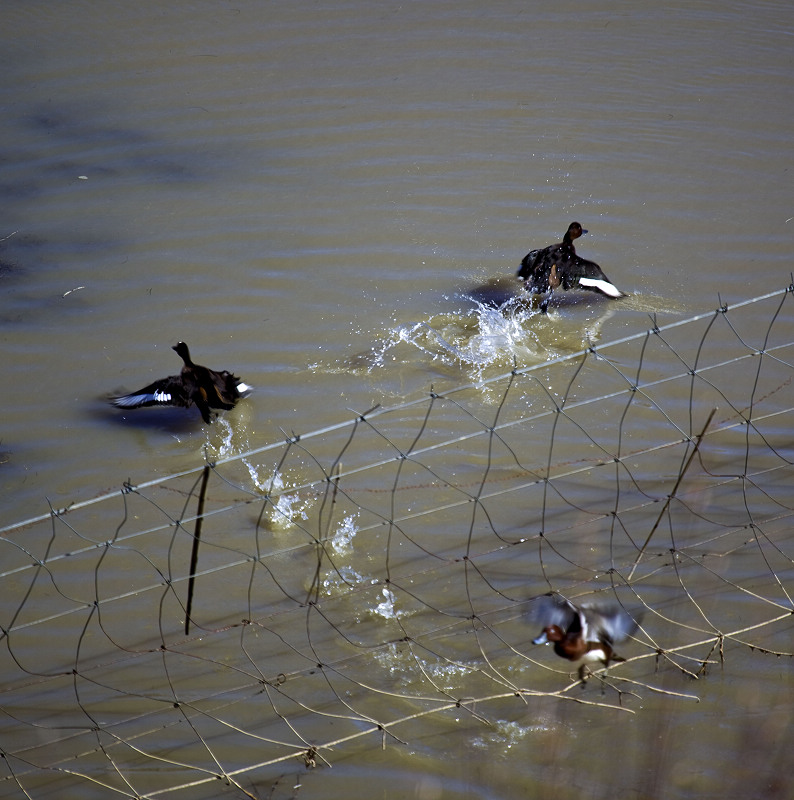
(289, 508)
(386, 607)
(476, 338)
(342, 540)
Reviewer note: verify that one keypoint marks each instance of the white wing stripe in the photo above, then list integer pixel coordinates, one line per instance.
(603, 286)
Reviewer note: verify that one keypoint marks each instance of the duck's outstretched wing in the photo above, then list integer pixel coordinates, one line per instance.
(612, 624)
(551, 610)
(226, 390)
(168, 391)
(601, 285)
(592, 277)
(527, 267)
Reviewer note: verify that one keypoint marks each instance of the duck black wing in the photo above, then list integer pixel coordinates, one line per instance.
(528, 264)
(537, 265)
(228, 389)
(168, 391)
(588, 275)
(214, 389)
(210, 389)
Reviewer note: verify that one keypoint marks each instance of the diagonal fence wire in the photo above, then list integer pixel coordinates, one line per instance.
(361, 583)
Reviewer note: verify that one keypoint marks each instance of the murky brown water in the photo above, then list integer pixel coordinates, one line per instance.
(309, 194)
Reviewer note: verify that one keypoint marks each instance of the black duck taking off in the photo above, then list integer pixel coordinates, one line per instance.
(558, 266)
(197, 385)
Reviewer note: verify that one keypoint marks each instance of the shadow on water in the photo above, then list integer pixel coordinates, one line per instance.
(129, 149)
(508, 294)
(57, 147)
(495, 292)
(170, 420)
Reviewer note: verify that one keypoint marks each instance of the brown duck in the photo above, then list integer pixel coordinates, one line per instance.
(195, 385)
(558, 266)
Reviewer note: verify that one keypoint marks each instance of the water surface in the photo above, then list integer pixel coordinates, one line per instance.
(314, 197)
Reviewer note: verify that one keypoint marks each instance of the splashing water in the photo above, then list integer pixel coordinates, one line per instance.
(386, 607)
(226, 432)
(477, 338)
(343, 538)
(344, 579)
(288, 508)
(223, 440)
(485, 335)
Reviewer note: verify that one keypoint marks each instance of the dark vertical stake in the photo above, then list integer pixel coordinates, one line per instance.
(196, 538)
(670, 496)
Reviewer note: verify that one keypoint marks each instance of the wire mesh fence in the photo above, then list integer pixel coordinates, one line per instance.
(357, 586)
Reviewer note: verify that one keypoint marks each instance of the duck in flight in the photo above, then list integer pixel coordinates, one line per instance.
(558, 266)
(195, 385)
(583, 634)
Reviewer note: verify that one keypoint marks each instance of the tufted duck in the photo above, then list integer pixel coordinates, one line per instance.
(195, 384)
(585, 634)
(558, 266)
